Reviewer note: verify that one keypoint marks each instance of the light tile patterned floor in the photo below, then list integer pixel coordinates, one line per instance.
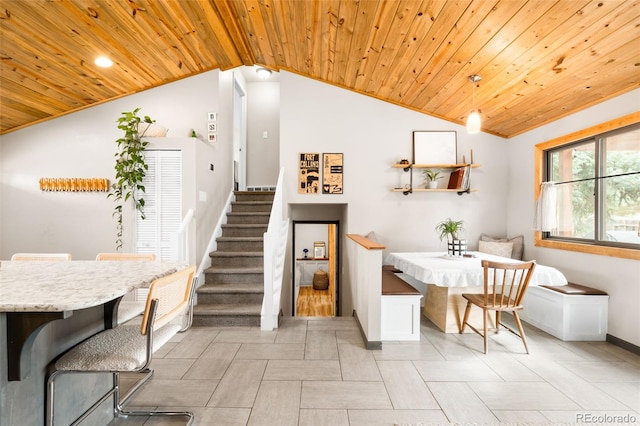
(316, 371)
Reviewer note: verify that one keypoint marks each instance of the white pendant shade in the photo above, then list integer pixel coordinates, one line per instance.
(473, 122)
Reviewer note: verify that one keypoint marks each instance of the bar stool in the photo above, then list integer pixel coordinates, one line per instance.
(129, 347)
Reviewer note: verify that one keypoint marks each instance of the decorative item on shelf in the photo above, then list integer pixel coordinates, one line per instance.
(434, 147)
(152, 130)
(74, 184)
(459, 178)
(431, 178)
(451, 229)
(306, 253)
(319, 250)
(405, 163)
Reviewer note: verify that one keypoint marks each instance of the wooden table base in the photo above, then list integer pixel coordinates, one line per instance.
(444, 306)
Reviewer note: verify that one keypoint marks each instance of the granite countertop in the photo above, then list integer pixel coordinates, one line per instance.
(34, 286)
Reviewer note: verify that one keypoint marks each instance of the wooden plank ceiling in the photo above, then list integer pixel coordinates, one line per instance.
(539, 59)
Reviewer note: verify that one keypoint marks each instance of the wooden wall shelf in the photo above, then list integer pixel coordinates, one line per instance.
(410, 189)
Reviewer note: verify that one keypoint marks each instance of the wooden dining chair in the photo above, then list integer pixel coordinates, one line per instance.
(129, 347)
(504, 287)
(41, 256)
(130, 306)
(126, 256)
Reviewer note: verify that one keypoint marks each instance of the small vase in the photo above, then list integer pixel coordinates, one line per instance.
(433, 184)
(457, 247)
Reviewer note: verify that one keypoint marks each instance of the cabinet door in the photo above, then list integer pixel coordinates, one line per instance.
(307, 269)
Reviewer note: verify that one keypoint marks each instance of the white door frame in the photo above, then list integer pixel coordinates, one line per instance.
(239, 136)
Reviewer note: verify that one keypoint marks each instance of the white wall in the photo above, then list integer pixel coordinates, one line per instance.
(618, 277)
(307, 234)
(263, 115)
(373, 135)
(82, 144)
(314, 117)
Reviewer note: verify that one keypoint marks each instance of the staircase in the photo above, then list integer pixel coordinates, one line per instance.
(234, 284)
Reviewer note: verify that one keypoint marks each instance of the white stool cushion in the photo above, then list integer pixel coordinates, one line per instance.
(118, 349)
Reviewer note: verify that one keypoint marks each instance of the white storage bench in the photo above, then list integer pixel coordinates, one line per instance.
(570, 312)
(400, 308)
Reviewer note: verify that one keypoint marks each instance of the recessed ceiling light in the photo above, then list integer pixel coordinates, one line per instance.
(103, 61)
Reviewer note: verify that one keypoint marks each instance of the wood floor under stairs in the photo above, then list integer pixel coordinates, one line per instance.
(234, 284)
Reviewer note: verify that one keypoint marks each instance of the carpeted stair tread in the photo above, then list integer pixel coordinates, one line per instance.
(236, 253)
(254, 192)
(245, 225)
(218, 270)
(231, 288)
(234, 289)
(239, 238)
(226, 309)
(248, 214)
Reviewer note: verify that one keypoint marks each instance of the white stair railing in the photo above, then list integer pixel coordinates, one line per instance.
(180, 239)
(275, 242)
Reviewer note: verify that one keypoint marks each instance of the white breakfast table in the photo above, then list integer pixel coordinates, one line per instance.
(34, 293)
(447, 277)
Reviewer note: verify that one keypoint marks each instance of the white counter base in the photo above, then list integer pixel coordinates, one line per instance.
(400, 317)
(569, 317)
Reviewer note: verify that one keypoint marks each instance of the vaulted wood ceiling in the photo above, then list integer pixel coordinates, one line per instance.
(539, 59)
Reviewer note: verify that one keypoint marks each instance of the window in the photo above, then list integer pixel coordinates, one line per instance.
(597, 184)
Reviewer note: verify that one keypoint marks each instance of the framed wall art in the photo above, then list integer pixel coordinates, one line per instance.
(332, 173)
(434, 147)
(308, 173)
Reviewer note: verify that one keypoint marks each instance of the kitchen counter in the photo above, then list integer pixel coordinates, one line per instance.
(34, 293)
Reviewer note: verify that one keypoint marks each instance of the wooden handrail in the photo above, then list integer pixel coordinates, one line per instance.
(366, 243)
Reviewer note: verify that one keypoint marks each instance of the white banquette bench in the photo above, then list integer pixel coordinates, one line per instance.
(400, 308)
(571, 312)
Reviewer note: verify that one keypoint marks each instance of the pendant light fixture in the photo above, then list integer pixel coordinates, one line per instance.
(473, 121)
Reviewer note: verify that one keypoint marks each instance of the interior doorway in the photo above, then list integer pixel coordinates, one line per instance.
(316, 257)
(239, 137)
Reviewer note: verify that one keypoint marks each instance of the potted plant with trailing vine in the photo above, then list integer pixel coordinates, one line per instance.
(130, 167)
(451, 229)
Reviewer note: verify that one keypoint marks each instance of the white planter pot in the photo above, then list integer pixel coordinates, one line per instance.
(433, 184)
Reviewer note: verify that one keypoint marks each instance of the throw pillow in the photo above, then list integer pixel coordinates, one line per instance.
(495, 248)
(518, 244)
